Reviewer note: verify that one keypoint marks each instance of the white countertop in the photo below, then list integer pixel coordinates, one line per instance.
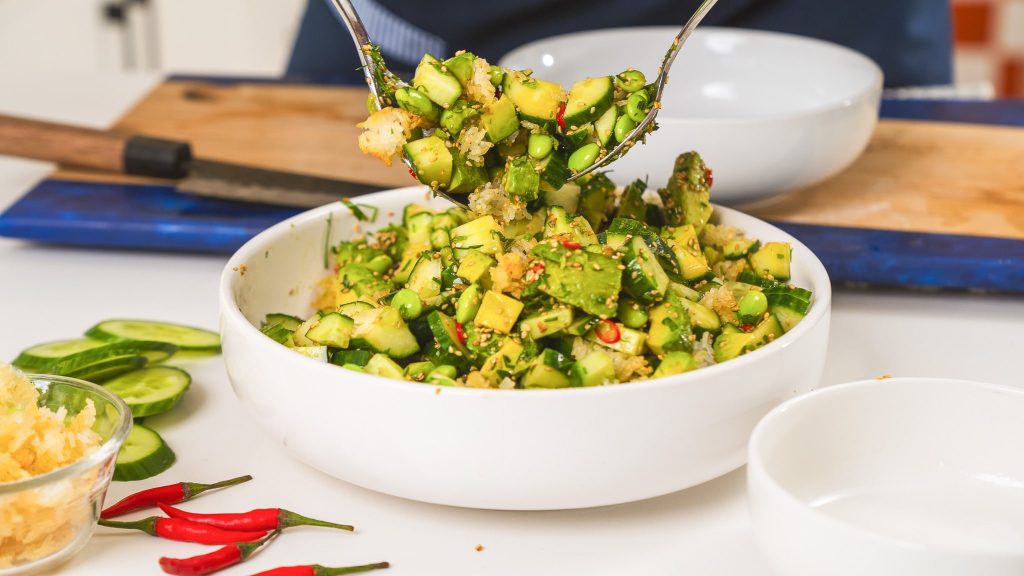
(49, 292)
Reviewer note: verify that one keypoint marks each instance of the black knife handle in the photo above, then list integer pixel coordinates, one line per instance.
(156, 157)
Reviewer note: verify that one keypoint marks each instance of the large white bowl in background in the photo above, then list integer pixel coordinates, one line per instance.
(499, 449)
(769, 112)
(896, 477)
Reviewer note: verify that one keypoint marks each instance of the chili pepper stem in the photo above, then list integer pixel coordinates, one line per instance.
(287, 519)
(192, 489)
(249, 548)
(147, 525)
(319, 570)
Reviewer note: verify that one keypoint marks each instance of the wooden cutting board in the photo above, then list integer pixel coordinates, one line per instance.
(914, 176)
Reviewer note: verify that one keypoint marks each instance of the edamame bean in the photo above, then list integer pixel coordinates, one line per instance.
(468, 304)
(631, 80)
(583, 157)
(380, 264)
(636, 106)
(540, 145)
(417, 102)
(632, 314)
(446, 370)
(753, 305)
(408, 304)
(623, 126)
(497, 75)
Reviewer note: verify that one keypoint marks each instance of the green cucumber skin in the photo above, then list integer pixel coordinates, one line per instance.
(106, 331)
(72, 362)
(158, 460)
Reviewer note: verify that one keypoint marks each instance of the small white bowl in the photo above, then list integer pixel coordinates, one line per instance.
(895, 477)
(500, 449)
(769, 112)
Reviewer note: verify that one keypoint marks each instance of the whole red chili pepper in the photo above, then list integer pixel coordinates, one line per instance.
(171, 494)
(259, 519)
(219, 559)
(186, 531)
(318, 570)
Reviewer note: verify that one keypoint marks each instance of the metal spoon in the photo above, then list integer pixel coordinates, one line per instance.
(647, 124)
(378, 77)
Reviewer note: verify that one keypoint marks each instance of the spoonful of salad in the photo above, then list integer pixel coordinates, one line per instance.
(492, 139)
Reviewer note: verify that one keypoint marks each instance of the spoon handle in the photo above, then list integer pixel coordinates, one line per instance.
(678, 41)
(345, 12)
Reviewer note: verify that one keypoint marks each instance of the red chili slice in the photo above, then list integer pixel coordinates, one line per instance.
(537, 268)
(571, 245)
(747, 327)
(560, 117)
(608, 332)
(413, 174)
(460, 333)
(709, 176)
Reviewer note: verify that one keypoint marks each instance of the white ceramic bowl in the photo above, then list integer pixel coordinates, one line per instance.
(500, 449)
(897, 477)
(769, 112)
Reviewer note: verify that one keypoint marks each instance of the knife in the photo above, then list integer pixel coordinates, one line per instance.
(138, 155)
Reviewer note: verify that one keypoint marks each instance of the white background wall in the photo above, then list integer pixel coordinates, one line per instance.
(247, 37)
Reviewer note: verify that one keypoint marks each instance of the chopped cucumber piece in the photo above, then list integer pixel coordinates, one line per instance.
(441, 87)
(431, 161)
(675, 363)
(588, 100)
(468, 304)
(546, 323)
(318, 353)
(425, 279)
(644, 277)
(448, 345)
(630, 341)
(483, 234)
(595, 369)
(567, 197)
(549, 370)
(383, 330)
(381, 365)
(354, 357)
(332, 329)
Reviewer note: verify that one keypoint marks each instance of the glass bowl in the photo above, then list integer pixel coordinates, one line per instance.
(47, 519)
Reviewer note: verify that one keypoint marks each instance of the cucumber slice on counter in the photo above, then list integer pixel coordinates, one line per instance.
(144, 454)
(109, 368)
(151, 390)
(184, 337)
(67, 356)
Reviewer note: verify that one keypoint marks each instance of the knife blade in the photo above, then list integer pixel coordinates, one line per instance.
(170, 159)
